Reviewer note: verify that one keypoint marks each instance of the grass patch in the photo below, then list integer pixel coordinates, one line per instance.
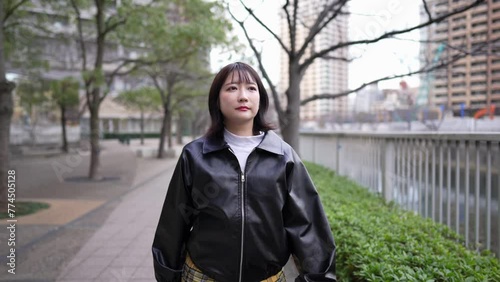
(378, 241)
(25, 208)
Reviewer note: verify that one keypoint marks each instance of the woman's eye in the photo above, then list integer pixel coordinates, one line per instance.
(231, 88)
(252, 88)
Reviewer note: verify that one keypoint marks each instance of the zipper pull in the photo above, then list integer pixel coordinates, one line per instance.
(242, 178)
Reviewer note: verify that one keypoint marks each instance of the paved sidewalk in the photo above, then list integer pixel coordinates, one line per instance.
(48, 240)
(121, 249)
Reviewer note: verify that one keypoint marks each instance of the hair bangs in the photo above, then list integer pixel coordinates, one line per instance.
(239, 74)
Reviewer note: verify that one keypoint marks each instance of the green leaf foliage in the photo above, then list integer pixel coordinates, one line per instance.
(381, 242)
(65, 92)
(142, 99)
(33, 92)
(21, 31)
(170, 29)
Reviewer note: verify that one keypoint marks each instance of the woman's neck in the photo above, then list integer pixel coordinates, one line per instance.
(240, 130)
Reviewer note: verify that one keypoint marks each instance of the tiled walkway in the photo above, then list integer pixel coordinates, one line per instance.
(121, 249)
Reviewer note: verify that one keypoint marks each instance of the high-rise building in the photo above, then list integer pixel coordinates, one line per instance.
(324, 76)
(473, 81)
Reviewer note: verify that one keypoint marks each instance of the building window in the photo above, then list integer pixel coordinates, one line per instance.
(479, 14)
(460, 37)
(459, 19)
(480, 73)
(478, 104)
(477, 64)
(474, 93)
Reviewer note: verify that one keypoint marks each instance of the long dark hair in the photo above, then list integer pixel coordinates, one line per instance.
(246, 74)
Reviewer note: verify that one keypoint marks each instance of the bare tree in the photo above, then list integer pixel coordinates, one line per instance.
(301, 54)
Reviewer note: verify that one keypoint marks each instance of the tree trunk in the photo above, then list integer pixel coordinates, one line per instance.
(94, 141)
(6, 110)
(169, 129)
(142, 127)
(179, 130)
(63, 126)
(163, 132)
(33, 121)
(96, 92)
(290, 126)
(194, 128)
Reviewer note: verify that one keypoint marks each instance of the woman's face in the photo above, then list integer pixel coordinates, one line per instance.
(239, 100)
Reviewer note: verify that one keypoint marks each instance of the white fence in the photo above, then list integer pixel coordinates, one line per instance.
(43, 135)
(453, 178)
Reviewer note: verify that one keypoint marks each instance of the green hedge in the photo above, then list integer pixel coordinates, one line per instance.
(381, 242)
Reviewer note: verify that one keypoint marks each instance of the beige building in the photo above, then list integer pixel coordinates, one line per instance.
(473, 80)
(323, 76)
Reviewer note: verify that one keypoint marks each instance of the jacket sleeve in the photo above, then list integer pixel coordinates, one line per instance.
(173, 227)
(309, 234)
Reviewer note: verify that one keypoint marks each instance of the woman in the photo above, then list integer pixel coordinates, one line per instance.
(240, 201)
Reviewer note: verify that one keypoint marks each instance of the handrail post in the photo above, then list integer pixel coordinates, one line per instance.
(337, 154)
(388, 166)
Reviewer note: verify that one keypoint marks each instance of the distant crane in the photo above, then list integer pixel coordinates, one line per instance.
(422, 100)
(423, 95)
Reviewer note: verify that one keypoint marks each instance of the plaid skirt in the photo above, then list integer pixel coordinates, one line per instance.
(191, 273)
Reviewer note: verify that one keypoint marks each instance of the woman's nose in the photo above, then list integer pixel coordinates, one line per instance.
(243, 96)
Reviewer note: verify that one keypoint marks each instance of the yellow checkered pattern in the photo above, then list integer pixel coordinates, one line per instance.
(191, 273)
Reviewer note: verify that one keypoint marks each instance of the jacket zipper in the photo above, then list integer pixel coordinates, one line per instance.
(242, 221)
(242, 211)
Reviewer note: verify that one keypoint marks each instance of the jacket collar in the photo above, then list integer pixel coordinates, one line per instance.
(271, 143)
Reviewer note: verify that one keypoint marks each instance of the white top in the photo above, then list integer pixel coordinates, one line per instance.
(242, 146)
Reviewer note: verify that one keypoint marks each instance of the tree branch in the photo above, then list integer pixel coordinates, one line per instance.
(295, 9)
(390, 34)
(108, 28)
(334, 58)
(425, 69)
(12, 10)
(80, 36)
(291, 32)
(154, 77)
(427, 10)
(264, 26)
(318, 26)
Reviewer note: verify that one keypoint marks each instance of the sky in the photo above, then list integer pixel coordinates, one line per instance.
(368, 19)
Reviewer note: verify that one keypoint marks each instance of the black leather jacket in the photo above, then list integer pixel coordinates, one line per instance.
(242, 226)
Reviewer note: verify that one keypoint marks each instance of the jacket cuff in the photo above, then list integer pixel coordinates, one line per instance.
(165, 274)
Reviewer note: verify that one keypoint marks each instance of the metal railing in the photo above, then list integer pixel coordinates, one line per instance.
(452, 178)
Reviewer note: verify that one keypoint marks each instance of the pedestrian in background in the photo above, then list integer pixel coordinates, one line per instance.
(240, 200)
